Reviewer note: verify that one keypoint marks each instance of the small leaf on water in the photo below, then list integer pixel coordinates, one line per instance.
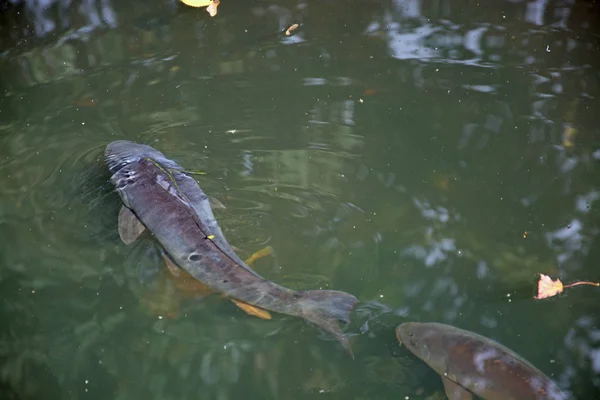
(290, 29)
(197, 3)
(547, 287)
(211, 5)
(212, 8)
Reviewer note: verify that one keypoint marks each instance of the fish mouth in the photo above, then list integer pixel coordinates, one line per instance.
(399, 335)
(405, 333)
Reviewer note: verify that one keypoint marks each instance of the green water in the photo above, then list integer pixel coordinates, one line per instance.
(430, 158)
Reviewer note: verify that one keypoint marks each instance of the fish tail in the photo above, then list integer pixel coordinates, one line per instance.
(325, 308)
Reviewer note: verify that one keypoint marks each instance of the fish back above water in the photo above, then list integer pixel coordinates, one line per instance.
(174, 208)
(471, 363)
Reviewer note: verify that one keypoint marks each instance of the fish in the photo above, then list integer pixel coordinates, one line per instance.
(469, 363)
(158, 195)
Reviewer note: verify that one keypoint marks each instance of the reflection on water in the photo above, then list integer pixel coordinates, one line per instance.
(429, 157)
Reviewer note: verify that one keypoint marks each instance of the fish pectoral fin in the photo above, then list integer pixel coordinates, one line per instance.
(454, 391)
(252, 310)
(216, 204)
(130, 227)
(259, 254)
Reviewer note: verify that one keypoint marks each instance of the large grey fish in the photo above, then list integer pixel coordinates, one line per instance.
(473, 364)
(158, 193)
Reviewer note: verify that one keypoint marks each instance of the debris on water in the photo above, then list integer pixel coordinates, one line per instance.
(289, 30)
(548, 287)
(197, 3)
(369, 92)
(211, 5)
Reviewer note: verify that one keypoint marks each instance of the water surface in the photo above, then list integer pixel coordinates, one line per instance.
(429, 157)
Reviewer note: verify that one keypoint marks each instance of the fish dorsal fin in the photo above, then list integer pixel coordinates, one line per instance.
(130, 227)
(454, 391)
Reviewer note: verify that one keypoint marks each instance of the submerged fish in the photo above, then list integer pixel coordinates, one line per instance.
(158, 195)
(472, 364)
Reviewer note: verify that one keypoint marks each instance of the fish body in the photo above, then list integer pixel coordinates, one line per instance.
(174, 208)
(473, 364)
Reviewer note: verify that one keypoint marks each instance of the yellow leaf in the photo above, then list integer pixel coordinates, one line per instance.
(290, 29)
(211, 237)
(197, 3)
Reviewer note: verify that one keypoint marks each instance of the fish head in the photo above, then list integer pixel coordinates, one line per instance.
(425, 342)
(122, 153)
(129, 162)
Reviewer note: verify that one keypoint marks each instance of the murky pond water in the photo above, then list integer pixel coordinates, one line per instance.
(431, 158)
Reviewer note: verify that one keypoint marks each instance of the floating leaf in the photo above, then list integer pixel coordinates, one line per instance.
(290, 29)
(197, 3)
(211, 5)
(548, 288)
(212, 8)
